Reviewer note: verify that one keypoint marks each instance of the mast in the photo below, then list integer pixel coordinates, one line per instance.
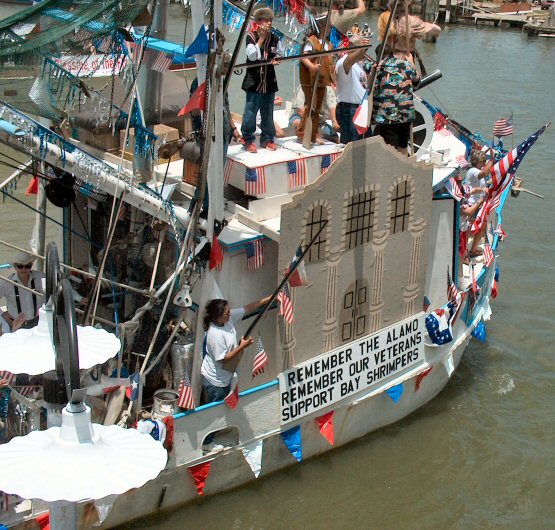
(150, 86)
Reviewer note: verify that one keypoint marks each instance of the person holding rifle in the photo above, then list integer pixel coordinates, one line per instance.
(310, 68)
(222, 345)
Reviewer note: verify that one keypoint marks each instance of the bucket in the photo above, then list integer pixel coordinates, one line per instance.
(165, 402)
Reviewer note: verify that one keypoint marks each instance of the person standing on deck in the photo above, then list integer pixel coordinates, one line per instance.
(222, 345)
(260, 83)
(309, 67)
(351, 88)
(398, 42)
(22, 305)
(344, 19)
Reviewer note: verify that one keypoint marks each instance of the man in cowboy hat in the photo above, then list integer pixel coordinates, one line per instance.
(260, 83)
(23, 305)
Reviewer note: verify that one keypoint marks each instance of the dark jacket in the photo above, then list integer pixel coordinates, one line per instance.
(261, 79)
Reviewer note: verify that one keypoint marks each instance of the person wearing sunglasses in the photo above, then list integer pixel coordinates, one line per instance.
(22, 305)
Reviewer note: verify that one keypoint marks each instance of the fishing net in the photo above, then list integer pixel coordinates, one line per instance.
(50, 53)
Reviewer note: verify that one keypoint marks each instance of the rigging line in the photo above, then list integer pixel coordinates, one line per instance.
(48, 178)
(441, 103)
(51, 219)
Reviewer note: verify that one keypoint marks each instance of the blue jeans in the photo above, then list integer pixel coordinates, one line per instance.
(345, 113)
(265, 104)
(214, 393)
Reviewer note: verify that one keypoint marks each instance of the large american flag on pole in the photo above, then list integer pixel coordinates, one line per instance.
(255, 181)
(255, 254)
(297, 173)
(186, 399)
(286, 306)
(502, 174)
(260, 358)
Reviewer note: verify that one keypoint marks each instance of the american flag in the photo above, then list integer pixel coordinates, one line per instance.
(503, 127)
(255, 254)
(227, 171)
(502, 174)
(328, 160)
(162, 62)
(286, 306)
(297, 173)
(452, 186)
(28, 390)
(488, 255)
(186, 399)
(255, 181)
(452, 290)
(260, 360)
(462, 162)
(501, 234)
(8, 376)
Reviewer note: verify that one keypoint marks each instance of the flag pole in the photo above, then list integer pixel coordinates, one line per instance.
(285, 279)
(232, 364)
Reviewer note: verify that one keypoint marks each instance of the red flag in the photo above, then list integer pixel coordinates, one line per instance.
(325, 424)
(196, 101)
(43, 521)
(494, 290)
(216, 255)
(421, 376)
(200, 474)
(232, 398)
(33, 187)
(463, 243)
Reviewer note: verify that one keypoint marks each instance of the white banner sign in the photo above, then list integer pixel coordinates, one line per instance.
(96, 64)
(351, 368)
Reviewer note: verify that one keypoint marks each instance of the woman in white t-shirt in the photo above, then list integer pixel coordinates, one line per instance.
(222, 345)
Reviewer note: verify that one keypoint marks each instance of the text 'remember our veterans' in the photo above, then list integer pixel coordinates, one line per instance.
(260, 82)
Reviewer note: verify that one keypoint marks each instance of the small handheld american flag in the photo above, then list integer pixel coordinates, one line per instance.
(260, 358)
(255, 254)
(286, 306)
(186, 399)
(452, 290)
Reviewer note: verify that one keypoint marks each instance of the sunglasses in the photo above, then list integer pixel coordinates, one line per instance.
(26, 266)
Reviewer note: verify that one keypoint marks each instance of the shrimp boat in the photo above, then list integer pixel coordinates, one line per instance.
(372, 329)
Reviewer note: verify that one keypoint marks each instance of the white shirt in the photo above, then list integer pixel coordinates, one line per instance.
(351, 87)
(220, 340)
(474, 181)
(7, 291)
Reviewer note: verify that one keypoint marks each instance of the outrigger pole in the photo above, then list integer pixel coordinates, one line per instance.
(302, 56)
(232, 364)
(291, 270)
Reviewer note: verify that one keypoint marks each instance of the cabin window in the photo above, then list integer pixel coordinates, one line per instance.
(317, 217)
(360, 219)
(400, 205)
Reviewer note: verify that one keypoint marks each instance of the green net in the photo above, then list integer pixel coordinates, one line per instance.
(63, 59)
